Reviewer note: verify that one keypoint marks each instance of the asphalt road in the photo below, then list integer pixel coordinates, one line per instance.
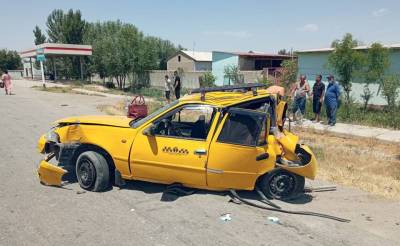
(33, 214)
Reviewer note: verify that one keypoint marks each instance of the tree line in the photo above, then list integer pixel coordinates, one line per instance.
(120, 50)
(366, 65)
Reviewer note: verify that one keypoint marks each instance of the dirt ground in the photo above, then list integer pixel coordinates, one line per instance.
(366, 163)
(33, 214)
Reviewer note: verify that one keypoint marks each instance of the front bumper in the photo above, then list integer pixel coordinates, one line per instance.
(50, 174)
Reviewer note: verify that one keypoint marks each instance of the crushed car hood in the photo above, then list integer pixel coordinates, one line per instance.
(106, 120)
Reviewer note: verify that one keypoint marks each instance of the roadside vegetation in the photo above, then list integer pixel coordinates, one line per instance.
(371, 116)
(9, 60)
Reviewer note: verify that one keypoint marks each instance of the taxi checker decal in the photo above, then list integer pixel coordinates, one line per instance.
(175, 151)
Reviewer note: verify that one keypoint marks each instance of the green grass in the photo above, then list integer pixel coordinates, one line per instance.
(371, 117)
(54, 89)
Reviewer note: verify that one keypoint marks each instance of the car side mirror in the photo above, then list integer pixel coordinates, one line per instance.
(150, 131)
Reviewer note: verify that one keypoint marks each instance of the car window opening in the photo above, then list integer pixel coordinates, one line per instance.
(189, 121)
(243, 128)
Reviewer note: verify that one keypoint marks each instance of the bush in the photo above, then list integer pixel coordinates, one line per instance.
(390, 87)
(376, 117)
(207, 80)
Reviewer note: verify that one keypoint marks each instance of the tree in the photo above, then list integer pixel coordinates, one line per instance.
(366, 96)
(55, 26)
(289, 75)
(207, 79)
(284, 52)
(9, 60)
(231, 72)
(390, 87)
(116, 50)
(67, 28)
(345, 62)
(377, 62)
(163, 49)
(40, 38)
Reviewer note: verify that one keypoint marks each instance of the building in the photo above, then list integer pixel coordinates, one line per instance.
(190, 61)
(314, 61)
(252, 65)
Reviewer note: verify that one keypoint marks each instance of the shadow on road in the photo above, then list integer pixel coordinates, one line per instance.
(173, 192)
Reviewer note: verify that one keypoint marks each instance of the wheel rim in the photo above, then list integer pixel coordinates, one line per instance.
(282, 185)
(86, 173)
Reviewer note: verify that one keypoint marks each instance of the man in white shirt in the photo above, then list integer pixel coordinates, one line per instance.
(167, 86)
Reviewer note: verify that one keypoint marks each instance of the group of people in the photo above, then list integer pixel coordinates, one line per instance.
(330, 97)
(176, 86)
(6, 82)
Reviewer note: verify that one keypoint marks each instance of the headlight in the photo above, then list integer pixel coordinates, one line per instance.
(52, 136)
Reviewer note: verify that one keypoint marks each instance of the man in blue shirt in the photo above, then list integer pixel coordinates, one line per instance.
(332, 95)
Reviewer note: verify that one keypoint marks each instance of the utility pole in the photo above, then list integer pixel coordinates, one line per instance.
(41, 68)
(40, 57)
(291, 52)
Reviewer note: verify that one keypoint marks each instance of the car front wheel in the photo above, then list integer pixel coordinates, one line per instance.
(281, 184)
(92, 171)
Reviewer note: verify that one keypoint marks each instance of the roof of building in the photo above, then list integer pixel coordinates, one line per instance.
(256, 54)
(52, 49)
(361, 47)
(198, 55)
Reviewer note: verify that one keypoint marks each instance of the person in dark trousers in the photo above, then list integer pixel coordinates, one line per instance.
(177, 85)
(299, 96)
(317, 95)
(167, 86)
(332, 96)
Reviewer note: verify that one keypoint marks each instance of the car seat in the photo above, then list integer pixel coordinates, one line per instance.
(199, 128)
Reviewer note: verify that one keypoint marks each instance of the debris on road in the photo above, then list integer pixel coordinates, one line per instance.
(273, 220)
(79, 192)
(319, 189)
(226, 217)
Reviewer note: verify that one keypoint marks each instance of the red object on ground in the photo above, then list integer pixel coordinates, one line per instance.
(137, 108)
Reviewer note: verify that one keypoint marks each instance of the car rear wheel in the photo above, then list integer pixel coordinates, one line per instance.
(281, 184)
(92, 171)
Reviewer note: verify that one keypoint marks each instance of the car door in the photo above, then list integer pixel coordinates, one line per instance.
(238, 141)
(178, 147)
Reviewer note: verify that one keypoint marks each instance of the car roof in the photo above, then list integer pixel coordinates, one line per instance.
(224, 98)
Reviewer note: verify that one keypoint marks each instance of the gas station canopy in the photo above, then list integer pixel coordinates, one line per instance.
(54, 50)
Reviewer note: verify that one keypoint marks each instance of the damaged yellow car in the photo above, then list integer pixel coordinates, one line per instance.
(230, 137)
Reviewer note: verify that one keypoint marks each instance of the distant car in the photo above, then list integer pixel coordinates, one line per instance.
(215, 138)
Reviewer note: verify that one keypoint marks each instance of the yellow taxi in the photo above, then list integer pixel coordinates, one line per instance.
(230, 137)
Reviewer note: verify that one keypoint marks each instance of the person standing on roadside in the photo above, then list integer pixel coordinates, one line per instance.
(167, 88)
(317, 95)
(299, 96)
(332, 96)
(6, 78)
(177, 85)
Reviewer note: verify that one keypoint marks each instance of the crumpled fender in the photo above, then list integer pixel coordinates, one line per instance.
(298, 152)
(50, 174)
(41, 144)
(289, 141)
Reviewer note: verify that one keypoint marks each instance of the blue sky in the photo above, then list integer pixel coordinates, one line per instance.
(220, 25)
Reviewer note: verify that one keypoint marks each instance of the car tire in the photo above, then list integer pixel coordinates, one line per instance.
(92, 171)
(281, 184)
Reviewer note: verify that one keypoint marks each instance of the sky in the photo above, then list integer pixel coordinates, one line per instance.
(222, 25)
